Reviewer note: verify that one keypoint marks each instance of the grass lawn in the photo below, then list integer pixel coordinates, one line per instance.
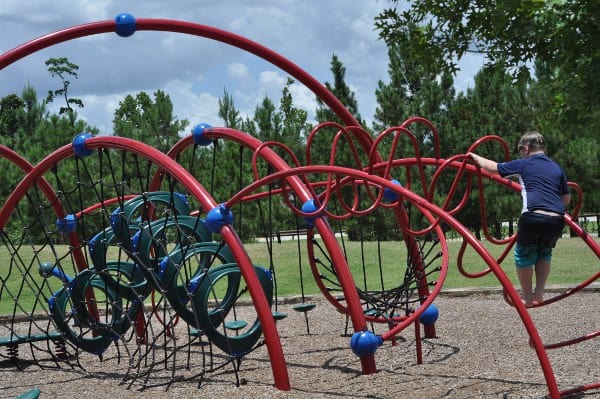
(573, 263)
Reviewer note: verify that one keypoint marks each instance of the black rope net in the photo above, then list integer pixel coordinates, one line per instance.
(393, 276)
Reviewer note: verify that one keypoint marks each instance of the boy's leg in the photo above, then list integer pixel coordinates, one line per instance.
(553, 231)
(525, 275)
(525, 258)
(542, 271)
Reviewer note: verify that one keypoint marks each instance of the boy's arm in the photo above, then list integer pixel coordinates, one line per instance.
(484, 163)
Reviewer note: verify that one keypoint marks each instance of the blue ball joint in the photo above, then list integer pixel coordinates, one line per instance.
(125, 24)
(391, 195)
(66, 225)
(79, 147)
(198, 134)
(218, 217)
(365, 343)
(430, 315)
(310, 206)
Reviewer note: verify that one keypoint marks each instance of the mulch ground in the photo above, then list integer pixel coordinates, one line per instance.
(481, 351)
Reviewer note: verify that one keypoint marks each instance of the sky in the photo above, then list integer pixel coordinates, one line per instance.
(196, 71)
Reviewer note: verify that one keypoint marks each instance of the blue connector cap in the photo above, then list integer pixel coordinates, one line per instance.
(218, 217)
(66, 225)
(125, 24)
(429, 315)
(198, 134)
(391, 195)
(310, 206)
(365, 343)
(79, 147)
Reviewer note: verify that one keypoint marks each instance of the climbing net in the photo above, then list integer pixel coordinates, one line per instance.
(103, 252)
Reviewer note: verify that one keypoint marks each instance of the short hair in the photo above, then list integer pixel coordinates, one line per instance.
(533, 140)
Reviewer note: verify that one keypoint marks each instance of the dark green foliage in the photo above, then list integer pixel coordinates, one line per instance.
(555, 39)
(149, 121)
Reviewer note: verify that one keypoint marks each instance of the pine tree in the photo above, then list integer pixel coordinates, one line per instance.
(149, 121)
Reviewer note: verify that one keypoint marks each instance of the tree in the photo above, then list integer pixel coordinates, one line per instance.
(342, 91)
(295, 127)
(27, 127)
(569, 131)
(11, 107)
(555, 39)
(471, 119)
(228, 112)
(413, 90)
(286, 124)
(34, 111)
(414, 78)
(64, 69)
(321, 146)
(149, 121)
(562, 33)
(33, 133)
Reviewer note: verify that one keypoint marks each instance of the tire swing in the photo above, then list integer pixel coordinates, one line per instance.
(122, 276)
(69, 312)
(212, 312)
(126, 221)
(181, 284)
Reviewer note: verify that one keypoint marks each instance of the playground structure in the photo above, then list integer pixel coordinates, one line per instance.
(133, 253)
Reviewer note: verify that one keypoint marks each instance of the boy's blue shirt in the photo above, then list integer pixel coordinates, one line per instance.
(543, 182)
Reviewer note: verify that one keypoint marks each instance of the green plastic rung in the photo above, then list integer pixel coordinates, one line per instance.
(45, 337)
(304, 307)
(22, 339)
(279, 315)
(31, 394)
(195, 333)
(12, 340)
(236, 324)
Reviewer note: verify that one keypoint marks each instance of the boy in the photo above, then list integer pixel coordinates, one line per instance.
(545, 195)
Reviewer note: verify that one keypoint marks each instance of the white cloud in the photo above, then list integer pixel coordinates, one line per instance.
(240, 73)
(272, 79)
(101, 108)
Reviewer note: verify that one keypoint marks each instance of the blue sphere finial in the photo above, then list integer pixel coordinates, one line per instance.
(390, 195)
(310, 206)
(365, 343)
(66, 225)
(429, 315)
(218, 217)
(125, 24)
(198, 134)
(79, 147)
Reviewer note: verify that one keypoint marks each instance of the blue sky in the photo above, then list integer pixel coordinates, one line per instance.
(194, 71)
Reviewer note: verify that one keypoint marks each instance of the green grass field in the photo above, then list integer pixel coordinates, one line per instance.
(573, 263)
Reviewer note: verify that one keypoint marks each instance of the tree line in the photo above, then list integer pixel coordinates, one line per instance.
(527, 84)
